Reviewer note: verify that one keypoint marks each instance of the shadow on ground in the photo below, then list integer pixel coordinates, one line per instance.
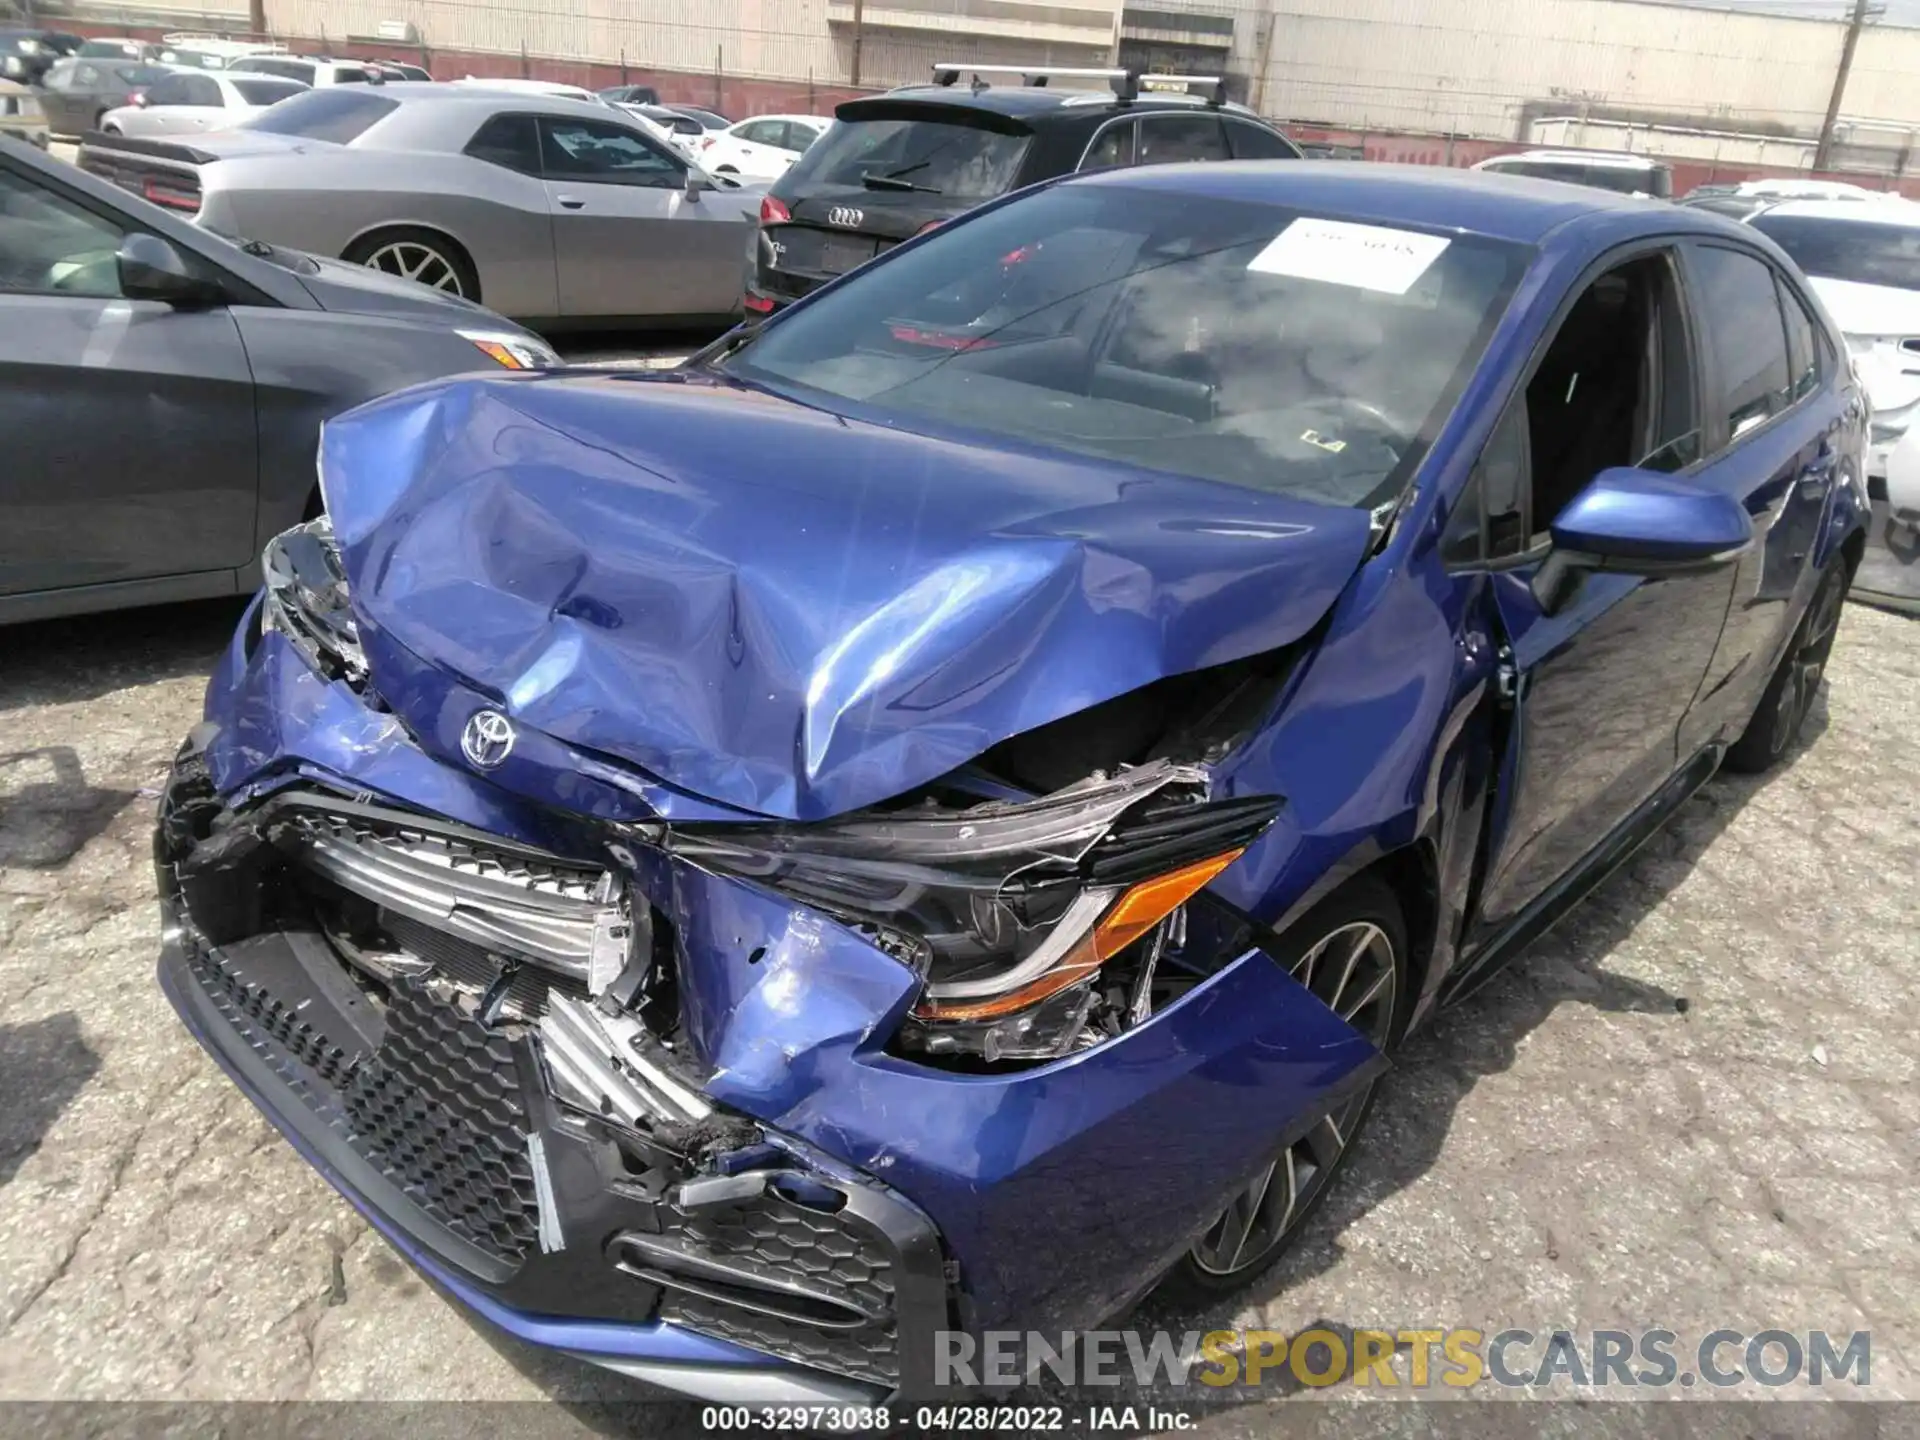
(61, 662)
(48, 811)
(43, 1065)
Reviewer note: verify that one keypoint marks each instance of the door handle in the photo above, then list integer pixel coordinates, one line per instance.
(567, 202)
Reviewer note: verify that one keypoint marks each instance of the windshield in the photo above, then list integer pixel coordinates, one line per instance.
(109, 49)
(340, 114)
(1628, 180)
(1857, 250)
(936, 157)
(1250, 344)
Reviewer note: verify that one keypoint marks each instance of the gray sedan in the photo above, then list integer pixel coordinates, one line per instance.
(556, 212)
(162, 389)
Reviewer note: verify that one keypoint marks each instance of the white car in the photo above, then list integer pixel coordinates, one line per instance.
(210, 52)
(1600, 169)
(1863, 261)
(308, 71)
(761, 148)
(681, 126)
(187, 102)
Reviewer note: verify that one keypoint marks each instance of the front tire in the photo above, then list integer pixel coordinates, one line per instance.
(1350, 950)
(1782, 711)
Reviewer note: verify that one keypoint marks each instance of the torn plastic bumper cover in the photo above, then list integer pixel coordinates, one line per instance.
(656, 1100)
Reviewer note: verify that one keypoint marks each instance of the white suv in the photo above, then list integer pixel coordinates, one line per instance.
(1600, 169)
(308, 71)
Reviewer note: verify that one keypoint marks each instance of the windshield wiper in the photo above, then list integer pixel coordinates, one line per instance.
(894, 182)
(731, 343)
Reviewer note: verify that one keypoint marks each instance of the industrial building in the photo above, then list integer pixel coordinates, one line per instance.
(1708, 84)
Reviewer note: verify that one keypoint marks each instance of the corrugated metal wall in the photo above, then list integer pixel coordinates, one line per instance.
(1476, 67)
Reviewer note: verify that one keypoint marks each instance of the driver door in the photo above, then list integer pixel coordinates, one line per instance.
(131, 450)
(627, 240)
(1600, 679)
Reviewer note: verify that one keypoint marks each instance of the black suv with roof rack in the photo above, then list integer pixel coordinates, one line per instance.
(896, 164)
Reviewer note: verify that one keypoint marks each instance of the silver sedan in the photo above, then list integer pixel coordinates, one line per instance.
(553, 211)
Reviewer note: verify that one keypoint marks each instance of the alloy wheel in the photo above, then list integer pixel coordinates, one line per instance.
(411, 260)
(1806, 662)
(1352, 971)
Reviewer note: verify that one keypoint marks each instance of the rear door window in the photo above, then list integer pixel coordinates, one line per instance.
(512, 141)
(170, 91)
(1256, 142)
(1111, 148)
(1173, 139)
(1741, 311)
(1803, 346)
(203, 90)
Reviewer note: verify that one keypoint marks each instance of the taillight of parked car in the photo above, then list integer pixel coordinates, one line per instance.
(774, 212)
(137, 97)
(172, 197)
(758, 304)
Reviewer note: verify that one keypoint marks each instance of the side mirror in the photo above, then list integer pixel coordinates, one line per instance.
(697, 185)
(151, 269)
(1641, 522)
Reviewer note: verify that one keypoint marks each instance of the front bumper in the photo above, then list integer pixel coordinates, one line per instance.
(839, 1206)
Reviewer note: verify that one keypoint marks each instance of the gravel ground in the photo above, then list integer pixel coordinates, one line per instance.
(1690, 1106)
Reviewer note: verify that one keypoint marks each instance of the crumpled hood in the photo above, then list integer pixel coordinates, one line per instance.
(776, 608)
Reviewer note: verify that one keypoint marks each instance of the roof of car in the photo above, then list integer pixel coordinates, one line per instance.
(1027, 102)
(1504, 207)
(1600, 159)
(1892, 210)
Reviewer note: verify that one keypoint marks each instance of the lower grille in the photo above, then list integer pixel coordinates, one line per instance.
(833, 1253)
(439, 1109)
(435, 1108)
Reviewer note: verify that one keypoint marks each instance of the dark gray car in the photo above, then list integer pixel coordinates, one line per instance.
(162, 388)
(76, 92)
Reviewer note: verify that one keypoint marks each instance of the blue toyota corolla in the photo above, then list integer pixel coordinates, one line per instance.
(934, 815)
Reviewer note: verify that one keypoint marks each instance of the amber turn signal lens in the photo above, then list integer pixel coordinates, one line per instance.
(1135, 913)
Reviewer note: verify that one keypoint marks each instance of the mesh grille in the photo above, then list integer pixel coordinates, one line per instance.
(270, 1015)
(438, 1109)
(834, 1252)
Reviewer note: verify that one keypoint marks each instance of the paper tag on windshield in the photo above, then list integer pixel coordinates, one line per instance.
(1367, 257)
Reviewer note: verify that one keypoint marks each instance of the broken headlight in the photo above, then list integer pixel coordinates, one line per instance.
(306, 600)
(1007, 909)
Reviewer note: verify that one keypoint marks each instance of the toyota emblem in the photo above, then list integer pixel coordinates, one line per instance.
(846, 217)
(487, 740)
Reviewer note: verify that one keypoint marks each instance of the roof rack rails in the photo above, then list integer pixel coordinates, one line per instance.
(947, 71)
(1127, 84)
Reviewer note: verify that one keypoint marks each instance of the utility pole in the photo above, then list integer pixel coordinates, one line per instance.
(860, 34)
(1259, 96)
(1823, 152)
(257, 18)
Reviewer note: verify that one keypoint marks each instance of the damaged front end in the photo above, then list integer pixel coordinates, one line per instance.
(415, 1005)
(748, 1107)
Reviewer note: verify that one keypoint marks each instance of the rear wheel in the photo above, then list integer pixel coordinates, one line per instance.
(1783, 707)
(1350, 951)
(423, 256)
